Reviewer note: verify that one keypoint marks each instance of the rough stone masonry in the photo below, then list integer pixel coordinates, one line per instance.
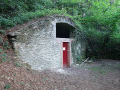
(35, 43)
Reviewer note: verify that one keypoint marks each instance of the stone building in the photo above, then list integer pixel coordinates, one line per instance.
(45, 43)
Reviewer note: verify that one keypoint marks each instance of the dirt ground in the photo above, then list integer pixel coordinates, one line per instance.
(99, 75)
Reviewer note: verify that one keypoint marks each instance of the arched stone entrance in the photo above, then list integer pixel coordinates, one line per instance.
(63, 35)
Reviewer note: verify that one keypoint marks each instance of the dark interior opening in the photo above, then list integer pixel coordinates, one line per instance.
(11, 39)
(63, 30)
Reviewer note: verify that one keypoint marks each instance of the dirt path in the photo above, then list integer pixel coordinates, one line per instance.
(98, 75)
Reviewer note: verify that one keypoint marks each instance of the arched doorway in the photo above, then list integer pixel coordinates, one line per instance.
(63, 34)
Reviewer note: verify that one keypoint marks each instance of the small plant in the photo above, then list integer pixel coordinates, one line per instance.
(17, 64)
(7, 86)
(2, 31)
(6, 45)
(3, 56)
(14, 74)
(21, 83)
(44, 78)
(80, 58)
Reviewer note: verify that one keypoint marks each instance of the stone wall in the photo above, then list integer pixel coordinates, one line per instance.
(78, 47)
(36, 42)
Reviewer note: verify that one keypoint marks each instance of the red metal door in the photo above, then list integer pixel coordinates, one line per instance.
(65, 54)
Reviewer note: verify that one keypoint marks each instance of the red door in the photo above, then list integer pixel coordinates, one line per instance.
(65, 54)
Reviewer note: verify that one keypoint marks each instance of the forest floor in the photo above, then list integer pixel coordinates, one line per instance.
(99, 75)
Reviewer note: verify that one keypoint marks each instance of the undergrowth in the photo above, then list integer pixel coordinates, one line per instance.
(21, 18)
(3, 56)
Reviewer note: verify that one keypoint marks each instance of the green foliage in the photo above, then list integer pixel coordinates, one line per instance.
(101, 28)
(7, 86)
(17, 64)
(44, 78)
(103, 14)
(6, 45)
(80, 59)
(2, 31)
(101, 70)
(21, 83)
(25, 17)
(3, 56)
(6, 22)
